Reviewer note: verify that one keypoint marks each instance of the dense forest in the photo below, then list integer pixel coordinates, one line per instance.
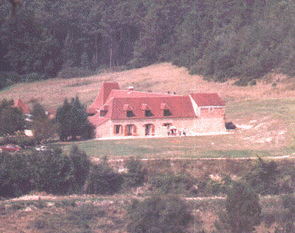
(218, 39)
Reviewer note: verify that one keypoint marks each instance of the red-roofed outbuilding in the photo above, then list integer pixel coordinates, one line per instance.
(19, 103)
(119, 113)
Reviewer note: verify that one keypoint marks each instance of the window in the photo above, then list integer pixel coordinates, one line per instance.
(103, 113)
(148, 113)
(117, 129)
(129, 113)
(167, 112)
(149, 129)
(130, 130)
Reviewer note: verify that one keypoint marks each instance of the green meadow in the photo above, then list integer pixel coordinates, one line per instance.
(266, 117)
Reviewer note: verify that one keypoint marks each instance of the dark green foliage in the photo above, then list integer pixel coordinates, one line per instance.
(57, 173)
(54, 172)
(135, 175)
(264, 177)
(81, 167)
(242, 210)
(73, 121)
(11, 118)
(102, 179)
(74, 72)
(219, 39)
(209, 187)
(159, 214)
(38, 111)
(288, 202)
(172, 183)
(15, 175)
(44, 128)
(8, 78)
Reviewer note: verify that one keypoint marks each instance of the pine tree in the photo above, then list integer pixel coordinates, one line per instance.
(73, 121)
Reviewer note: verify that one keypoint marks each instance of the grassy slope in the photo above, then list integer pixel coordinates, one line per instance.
(266, 109)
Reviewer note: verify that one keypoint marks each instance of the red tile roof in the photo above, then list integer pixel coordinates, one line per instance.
(20, 104)
(102, 96)
(119, 102)
(207, 99)
(179, 106)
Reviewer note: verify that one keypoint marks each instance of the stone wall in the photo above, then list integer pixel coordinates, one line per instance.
(158, 127)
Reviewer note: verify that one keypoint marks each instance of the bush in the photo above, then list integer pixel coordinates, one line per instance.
(102, 180)
(172, 183)
(135, 175)
(81, 167)
(263, 178)
(15, 175)
(159, 214)
(242, 210)
(208, 187)
(54, 172)
(74, 72)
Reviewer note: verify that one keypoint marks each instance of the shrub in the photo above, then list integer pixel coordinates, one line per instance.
(208, 187)
(53, 172)
(172, 183)
(81, 167)
(242, 210)
(159, 214)
(264, 177)
(135, 175)
(15, 175)
(102, 180)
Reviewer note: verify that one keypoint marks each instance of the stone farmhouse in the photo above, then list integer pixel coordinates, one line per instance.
(123, 113)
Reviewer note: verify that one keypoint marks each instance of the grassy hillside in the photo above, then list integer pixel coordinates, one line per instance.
(158, 78)
(263, 112)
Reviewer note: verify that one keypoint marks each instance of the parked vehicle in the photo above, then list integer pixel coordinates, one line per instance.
(43, 148)
(11, 148)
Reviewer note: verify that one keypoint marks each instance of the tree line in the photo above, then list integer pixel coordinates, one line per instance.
(69, 123)
(218, 39)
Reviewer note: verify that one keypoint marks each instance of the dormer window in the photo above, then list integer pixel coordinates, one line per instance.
(147, 110)
(148, 113)
(129, 110)
(167, 112)
(103, 110)
(166, 109)
(103, 113)
(129, 113)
